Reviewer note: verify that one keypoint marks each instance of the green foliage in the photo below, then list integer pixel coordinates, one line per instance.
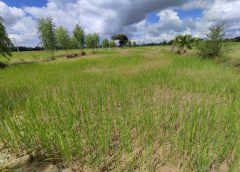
(79, 35)
(129, 44)
(74, 43)
(63, 38)
(92, 41)
(105, 43)
(214, 46)
(89, 41)
(96, 40)
(183, 42)
(134, 44)
(123, 39)
(112, 44)
(47, 35)
(5, 42)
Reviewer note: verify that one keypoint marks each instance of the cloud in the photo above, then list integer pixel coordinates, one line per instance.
(169, 25)
(10, 14)
(107, 17)
(223, 10)
(20, 27)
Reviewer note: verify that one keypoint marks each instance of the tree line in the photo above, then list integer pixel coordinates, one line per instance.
(53, 38)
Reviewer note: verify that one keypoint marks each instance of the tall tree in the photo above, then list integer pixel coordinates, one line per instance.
(47, 35)
(5, 42)
(96, 40)
(73, 43)
(105, 43)
(112, 44)
(134, 44)
(79, 35)
(89, 41)
(129, 43)
(92, 41)
(63, 38)
(123, 39)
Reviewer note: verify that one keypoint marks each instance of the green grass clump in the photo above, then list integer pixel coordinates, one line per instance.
(116, 110)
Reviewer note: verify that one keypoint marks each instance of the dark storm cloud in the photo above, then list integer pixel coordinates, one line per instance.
(132, 11)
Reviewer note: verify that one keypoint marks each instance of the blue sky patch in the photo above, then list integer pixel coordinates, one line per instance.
(194, 13)
(23, 3)
(152, 18)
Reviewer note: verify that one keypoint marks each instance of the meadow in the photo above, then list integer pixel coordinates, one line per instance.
(135, 109)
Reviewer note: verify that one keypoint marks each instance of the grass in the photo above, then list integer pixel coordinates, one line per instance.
(34, 56)
(131, 109)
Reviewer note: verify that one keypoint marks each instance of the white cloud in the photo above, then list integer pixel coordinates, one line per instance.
(223, 10)
(10, 14)
(107, 17)
(103, 16)
(20, 27)
(24, 32)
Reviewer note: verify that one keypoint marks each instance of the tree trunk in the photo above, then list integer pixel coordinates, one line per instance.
(52, 55)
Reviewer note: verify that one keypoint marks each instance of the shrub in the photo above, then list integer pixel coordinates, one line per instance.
(83, 53)
(3, 65)
(181, 43)
(214, 46)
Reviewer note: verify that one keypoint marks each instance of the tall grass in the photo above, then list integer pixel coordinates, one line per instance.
(118, 110)
(37, 56)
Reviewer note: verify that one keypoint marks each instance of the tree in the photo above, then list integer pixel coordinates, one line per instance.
(123, 39)
(47, 35)
(73, 43)
(112, 44)
(164, 43)
(129, 43)
(63, 38)
(79, 35)
(214, 46)
(92, 41)
(182, 42)
(95, 40)
(5, 42)
(134, 44)
(89, 41)
(105, 43)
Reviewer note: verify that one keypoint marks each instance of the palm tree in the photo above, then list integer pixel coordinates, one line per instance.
(182, 42)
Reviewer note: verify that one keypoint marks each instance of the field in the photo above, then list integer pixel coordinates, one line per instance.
(33, 56)
(135, 109)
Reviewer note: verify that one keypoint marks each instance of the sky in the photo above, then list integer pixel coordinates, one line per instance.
(143, 21)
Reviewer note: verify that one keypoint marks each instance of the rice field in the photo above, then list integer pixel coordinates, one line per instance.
(136, 109)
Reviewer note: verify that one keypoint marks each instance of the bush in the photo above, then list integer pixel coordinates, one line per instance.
(83, 53)
(182, 42)
(3, 65)
(214, 46)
